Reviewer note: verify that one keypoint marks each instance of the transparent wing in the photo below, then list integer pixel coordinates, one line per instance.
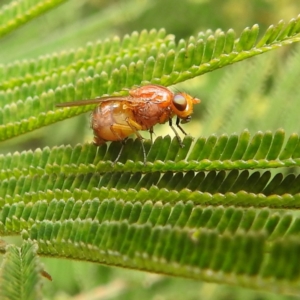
(133, 100)
(93, 101)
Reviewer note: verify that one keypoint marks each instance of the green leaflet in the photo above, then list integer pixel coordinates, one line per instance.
(262, 151)
(109, 67)
(19, 12)
(218, 209)
(141, 220)
(206, 253)
(21, 273)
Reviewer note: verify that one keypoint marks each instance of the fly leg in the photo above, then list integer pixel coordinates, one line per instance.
(178, 125)
(135, 127)
(123, 142)
(151, 134)
(176, 133)
(115, 129)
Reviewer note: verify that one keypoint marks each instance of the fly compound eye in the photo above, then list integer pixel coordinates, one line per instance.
(179, 102)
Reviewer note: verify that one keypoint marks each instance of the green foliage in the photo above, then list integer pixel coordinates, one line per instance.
(104, 68)
(19, 12)
(223, 208)
(21, 273)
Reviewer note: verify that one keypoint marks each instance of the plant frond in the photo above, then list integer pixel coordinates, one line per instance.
(180, 208)
(20, 276)
(95, 58)
(285, 95)
(228, 104)
(258, 99)
(19, 12)
(263, 150)
(111, 69)
(205, 253)
(218, 209)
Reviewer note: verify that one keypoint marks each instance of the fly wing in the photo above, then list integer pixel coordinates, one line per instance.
(99, 100)
(156, 94)
(91, 101)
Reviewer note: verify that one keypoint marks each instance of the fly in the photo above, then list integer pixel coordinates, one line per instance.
(117, 117)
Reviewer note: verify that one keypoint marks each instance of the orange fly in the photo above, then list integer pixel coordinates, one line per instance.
(117, 117)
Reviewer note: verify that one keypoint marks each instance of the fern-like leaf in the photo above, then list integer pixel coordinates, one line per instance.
(109, 67)
(217, 209)
(19, 12)
(217, 252)
(21, 273)
(263, 150)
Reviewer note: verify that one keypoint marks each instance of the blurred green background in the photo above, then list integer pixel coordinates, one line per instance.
(75, 23)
